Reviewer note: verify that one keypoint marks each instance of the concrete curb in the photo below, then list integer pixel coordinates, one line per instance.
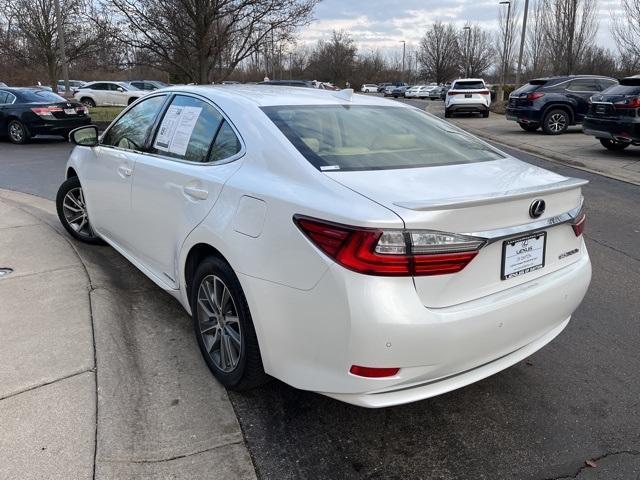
(551, 156)
(150, 407)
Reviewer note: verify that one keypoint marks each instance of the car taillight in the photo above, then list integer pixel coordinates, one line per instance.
(82, 109)
(484, 92)
(452, 93)
(45, 111)
(628, 103)
(534, 96)
(394, 253)
(579, 224)
(373, 372)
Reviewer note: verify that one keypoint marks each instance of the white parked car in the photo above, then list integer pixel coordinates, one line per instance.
(97, 94)
(375, 254)
(369, 88)
(467, 95)
(419, 91)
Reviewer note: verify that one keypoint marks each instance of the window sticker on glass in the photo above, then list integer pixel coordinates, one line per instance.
(176, 129)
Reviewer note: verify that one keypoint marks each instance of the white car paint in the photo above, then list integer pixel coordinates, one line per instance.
(314, 318)
(462, 98)
(119, 93)
(369, 88)
(419, 91)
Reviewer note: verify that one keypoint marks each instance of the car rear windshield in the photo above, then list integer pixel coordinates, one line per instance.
(368, 137)
(625, 88)
(530, 87)
(470, 85)
(43, 96)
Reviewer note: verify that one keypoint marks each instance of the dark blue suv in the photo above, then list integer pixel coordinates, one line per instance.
(554, 103)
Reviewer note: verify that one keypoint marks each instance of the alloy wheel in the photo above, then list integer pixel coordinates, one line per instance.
(16, 132)
(219, 323)
(557, 122)
(75, 212)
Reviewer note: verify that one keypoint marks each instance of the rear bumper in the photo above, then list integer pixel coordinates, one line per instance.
(619, 130)
(57, 127)
(468, 107)
(309, 339)
(523, 115)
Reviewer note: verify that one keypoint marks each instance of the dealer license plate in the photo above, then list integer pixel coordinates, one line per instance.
(70, 111)
(523, 255)
(468, 95)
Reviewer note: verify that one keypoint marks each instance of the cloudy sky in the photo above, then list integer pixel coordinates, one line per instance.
(381, 24)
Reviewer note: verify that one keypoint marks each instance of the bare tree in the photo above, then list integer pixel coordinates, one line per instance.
(598, 61)
(334, 59)
(626, 31)
(570, 27)
(506, 39)
(31, 31)
(440, 52)
(204, 40)
(478, 52)
(536, 42)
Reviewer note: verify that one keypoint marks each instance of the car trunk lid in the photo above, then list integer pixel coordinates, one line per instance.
(485, 199)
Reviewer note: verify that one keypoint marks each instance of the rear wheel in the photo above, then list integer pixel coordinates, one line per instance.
(18, 133)
(555, 122)
(447, 113)
(88, 102)
(529, 127)
(224, 328)
(485, 114)
(613, 145)
(72, 212)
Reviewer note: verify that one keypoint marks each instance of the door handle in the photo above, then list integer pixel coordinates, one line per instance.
(197, 193)
(125, 171)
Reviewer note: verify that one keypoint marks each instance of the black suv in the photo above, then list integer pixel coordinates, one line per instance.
(614, 115)
(554, 103)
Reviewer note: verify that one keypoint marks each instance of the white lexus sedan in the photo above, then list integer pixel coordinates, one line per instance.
(344, 244)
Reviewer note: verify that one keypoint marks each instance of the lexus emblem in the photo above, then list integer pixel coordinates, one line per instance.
(537, 208)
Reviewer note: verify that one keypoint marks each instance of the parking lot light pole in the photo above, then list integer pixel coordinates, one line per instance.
(504, 51)
(404, 47)
(467, 63)
(63, 54)
(522, 40)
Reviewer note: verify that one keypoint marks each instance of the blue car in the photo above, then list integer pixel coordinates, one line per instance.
(554, 103)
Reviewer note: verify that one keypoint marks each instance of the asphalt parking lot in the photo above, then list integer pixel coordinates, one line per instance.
(576, 399)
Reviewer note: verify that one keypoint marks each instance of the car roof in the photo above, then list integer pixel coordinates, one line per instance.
(272, 95)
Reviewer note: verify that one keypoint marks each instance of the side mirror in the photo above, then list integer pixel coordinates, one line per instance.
(85, 136)
(120, 89)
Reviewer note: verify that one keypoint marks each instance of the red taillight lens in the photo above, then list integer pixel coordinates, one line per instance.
(534, 96)
(396, 253)
(45, 111)
(373, 372)
(629, 103)
(484, 92)
(579, 224)
(450, 93)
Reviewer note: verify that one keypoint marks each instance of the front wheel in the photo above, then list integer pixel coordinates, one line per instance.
(555, 122)
(18, 133)
(613, 145)
(224, 328)
(72, 212)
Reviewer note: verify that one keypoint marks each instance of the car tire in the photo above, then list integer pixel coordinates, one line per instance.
(447, 113)
(72, 212)
(88, 102)
(485, 114)
(244, 370)
(556, 122)
(529, 127)
(18, 132)
(613, 145)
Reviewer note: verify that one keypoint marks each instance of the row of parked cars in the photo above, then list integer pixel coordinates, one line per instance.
(402, 89)
(607, 108)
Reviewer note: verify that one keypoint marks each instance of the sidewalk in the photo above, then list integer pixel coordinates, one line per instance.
(141, 403)
(573, 148)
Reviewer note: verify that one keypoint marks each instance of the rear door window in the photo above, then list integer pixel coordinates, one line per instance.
(3, 98)
(584, 85)
(99, 86)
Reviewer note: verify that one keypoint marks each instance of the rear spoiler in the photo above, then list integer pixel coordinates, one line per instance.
(464, 202)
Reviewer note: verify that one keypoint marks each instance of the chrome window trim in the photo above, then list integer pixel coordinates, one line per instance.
(233, 158)
(492, 236)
